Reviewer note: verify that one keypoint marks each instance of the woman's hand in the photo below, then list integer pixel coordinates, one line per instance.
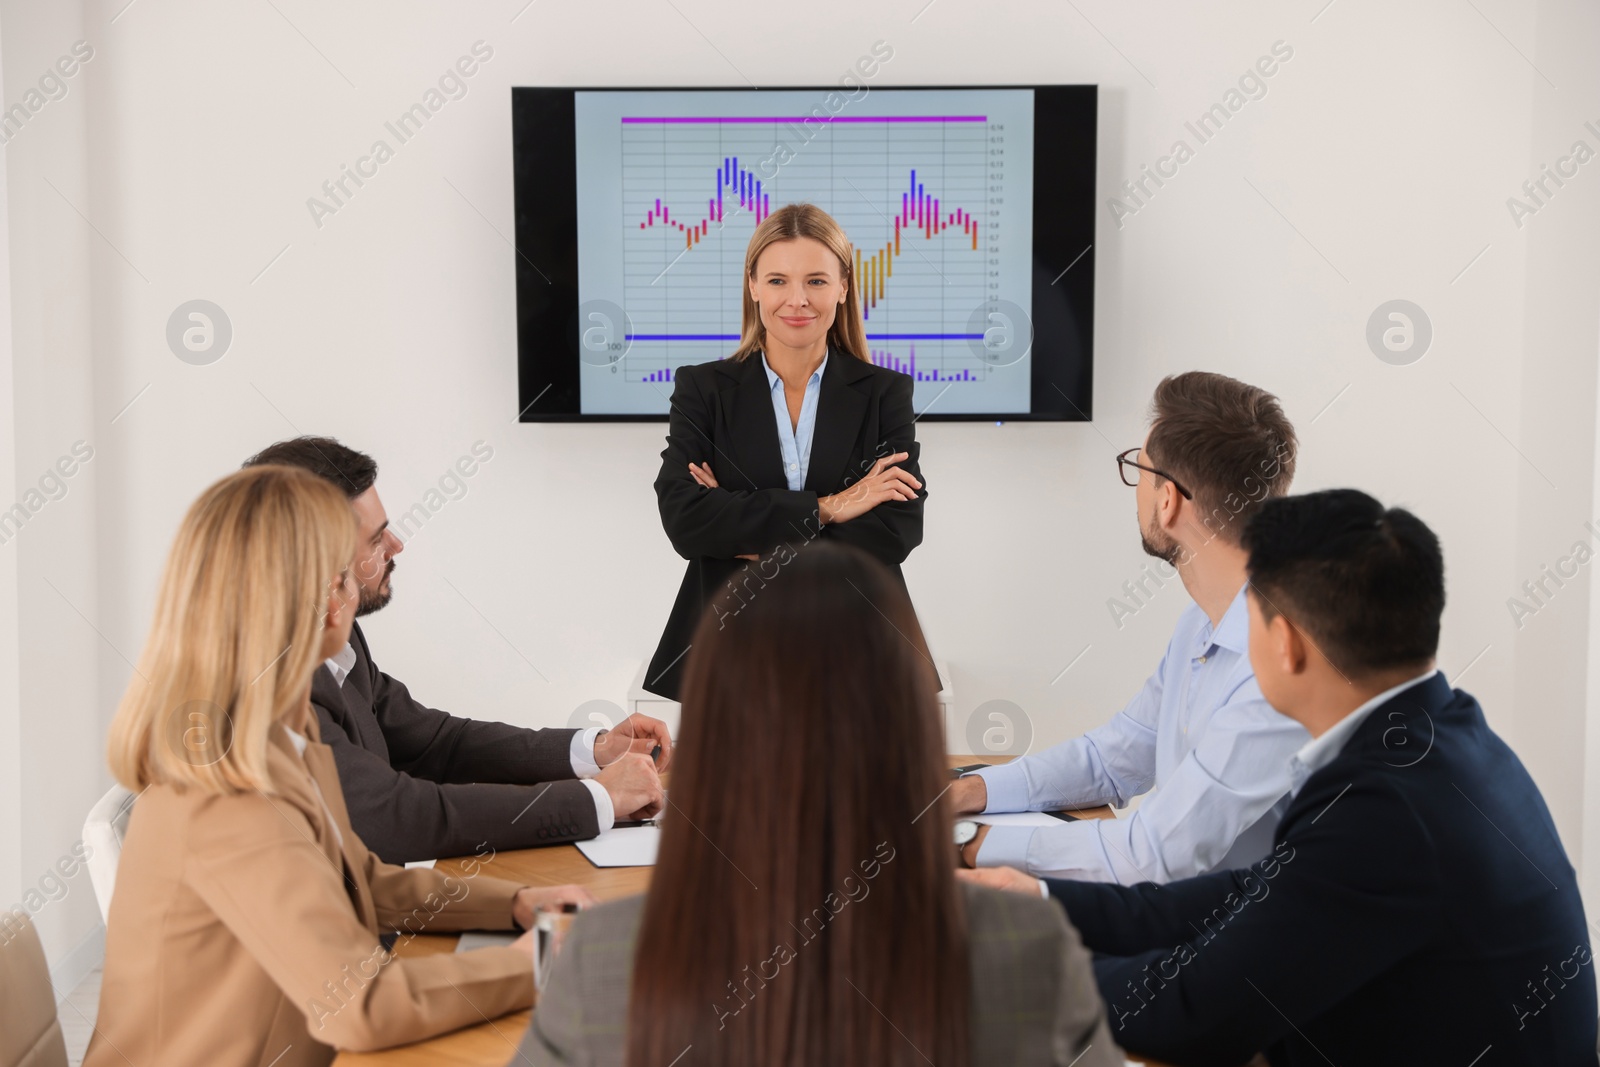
(702, 474)
(883, 482)
(530, 898)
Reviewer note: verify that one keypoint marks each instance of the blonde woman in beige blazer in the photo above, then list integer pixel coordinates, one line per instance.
(245, 924)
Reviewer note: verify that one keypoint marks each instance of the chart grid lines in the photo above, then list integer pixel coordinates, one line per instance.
(921, 184)
(896, 285)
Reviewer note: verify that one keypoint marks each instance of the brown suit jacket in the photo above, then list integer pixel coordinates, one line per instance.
(244, 930)
(1034, 999)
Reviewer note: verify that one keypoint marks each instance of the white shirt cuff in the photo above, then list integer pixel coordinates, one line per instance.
(1044, 890)
(582, 753)
(604, 813)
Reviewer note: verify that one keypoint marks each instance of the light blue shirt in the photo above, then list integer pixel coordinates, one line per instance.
(795, 440)
(1200, 732)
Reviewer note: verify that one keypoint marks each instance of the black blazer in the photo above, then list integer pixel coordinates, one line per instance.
(722, 415)
(1419, 908)
(420, 784)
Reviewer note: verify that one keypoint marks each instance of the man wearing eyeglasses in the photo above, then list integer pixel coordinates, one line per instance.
(1199, 731)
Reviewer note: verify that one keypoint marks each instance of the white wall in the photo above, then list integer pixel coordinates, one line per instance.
(11, 813)
(66, 667)
(1558, 350)
(1377, 167)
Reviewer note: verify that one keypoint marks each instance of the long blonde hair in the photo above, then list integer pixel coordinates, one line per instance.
(237, 631)
(848, 333)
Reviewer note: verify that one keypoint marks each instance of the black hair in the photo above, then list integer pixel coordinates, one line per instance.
(353, 472)
(1364, 582)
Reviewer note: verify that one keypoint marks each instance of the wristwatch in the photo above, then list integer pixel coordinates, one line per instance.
(965, 831)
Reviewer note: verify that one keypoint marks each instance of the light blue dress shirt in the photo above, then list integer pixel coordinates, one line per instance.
(1200, 732)
(795, 440)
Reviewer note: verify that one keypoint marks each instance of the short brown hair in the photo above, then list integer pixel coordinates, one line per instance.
(1228, 443)
(353, 472)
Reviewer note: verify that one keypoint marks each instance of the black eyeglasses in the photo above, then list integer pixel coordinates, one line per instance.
(1124, 462)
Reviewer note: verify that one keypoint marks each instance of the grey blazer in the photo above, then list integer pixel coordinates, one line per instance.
(1034, 999)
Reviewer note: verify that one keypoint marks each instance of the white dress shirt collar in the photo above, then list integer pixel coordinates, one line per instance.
(1320, 751)
(341, 663)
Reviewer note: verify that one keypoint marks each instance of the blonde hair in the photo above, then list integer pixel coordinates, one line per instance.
(237, 631)
(848, 333)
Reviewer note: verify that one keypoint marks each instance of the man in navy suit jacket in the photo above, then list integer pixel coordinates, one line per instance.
(1418, 906)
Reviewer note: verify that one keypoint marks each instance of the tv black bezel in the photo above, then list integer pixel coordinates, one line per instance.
(1066, 123)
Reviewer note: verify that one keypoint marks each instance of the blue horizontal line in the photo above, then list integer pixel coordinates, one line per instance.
(870, 336)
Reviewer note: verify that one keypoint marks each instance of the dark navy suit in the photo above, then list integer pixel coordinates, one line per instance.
(1418, 909)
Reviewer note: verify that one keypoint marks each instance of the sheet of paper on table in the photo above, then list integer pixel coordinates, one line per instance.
(623, 846)
(1018, 818)
(485, 939)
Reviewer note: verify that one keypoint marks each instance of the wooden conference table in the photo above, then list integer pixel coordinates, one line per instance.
(493, 1043)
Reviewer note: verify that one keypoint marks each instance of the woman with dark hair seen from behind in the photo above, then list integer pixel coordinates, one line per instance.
(804, 907)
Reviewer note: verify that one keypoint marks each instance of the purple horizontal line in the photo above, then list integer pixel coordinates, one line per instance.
(803, 118)
(682, 336)
(924, 336)
(870, 336)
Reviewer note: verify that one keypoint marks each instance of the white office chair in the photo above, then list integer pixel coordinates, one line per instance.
(103, 832)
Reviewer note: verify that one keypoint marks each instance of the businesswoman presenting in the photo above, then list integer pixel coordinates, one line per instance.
(797, 436)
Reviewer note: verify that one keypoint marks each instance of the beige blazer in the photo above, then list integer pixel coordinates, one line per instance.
(1034, 999)
(244, 930)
